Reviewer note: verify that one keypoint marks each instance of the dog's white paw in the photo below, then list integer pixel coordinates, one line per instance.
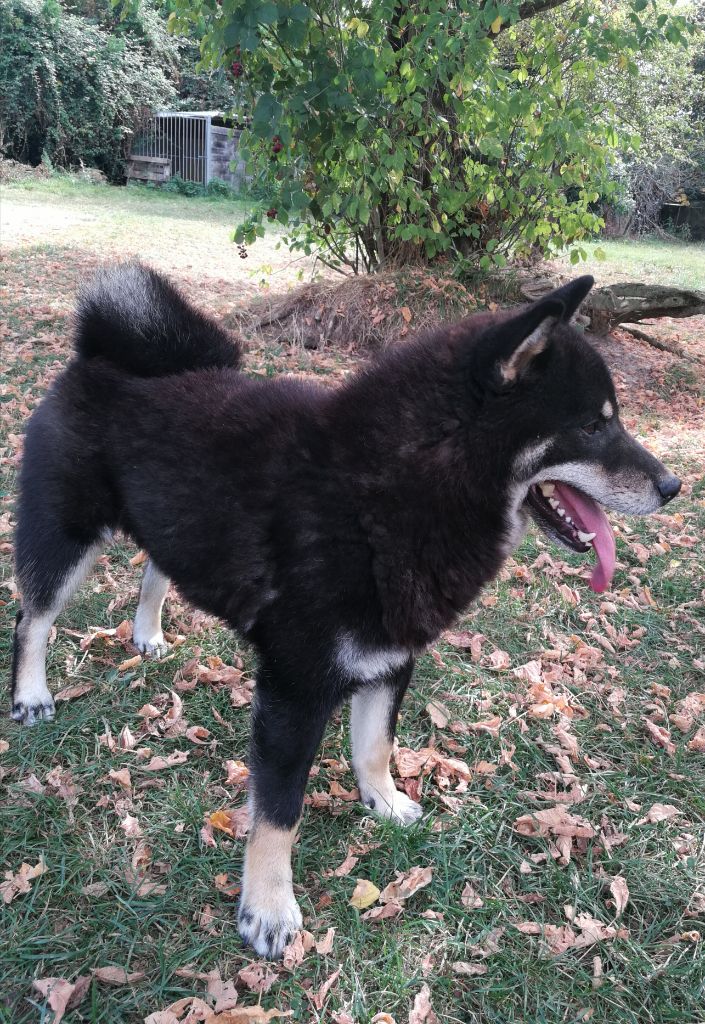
(395, 806)
(271, 925)
(154, 647)
(33, 708)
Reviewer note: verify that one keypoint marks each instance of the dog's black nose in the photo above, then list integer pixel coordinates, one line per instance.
(668, 487)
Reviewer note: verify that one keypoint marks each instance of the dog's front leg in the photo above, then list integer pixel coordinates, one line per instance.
(286, 732)
(373, 721)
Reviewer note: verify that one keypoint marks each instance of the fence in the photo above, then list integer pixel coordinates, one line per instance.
(195, 145)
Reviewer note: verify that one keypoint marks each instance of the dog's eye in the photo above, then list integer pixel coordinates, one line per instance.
(592, 428)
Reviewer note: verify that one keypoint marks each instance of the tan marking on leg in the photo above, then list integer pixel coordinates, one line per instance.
(269, 914)
(147, 633)
(372, 750)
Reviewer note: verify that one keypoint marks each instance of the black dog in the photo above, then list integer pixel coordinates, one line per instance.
(339, 531)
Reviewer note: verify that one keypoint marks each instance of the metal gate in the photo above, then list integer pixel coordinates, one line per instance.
(184, 139)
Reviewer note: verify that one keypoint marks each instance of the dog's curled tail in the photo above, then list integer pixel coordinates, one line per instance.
(135, 319)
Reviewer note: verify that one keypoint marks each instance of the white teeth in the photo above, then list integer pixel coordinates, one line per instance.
(585, 537)
(547, 489)
(560, 511)
(568, 519)
(553, 503)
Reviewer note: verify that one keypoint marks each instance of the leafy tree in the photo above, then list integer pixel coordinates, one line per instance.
(404, 131)
(70, 90)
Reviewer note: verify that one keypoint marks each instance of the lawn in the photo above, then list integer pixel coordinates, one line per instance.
(564, 818)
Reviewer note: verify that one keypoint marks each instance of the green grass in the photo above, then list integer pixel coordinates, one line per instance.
(651, 260)
(650, 976)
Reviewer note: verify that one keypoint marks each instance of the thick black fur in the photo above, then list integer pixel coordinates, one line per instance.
(296, 513)
(139, 322)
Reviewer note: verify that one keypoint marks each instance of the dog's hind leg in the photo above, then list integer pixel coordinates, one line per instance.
(147, 633)
(373, 721)
(286, 729)
(48, 578)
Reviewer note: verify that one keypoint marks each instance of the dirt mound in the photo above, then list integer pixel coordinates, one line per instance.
(13, 170)
(366, 312)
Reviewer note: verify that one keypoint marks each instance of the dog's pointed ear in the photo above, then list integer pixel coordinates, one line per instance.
(572, 294)
(525, 336)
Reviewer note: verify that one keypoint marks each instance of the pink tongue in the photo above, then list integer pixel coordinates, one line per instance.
(589, 518)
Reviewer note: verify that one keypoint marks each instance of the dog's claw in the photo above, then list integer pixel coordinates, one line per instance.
(30, 714)
(269, 932)
(153, 649)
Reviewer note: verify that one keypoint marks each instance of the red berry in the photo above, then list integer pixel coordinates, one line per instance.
(237, 69)
(272, 212)
(326, 229)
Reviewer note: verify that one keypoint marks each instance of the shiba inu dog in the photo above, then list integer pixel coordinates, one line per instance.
(338, 530)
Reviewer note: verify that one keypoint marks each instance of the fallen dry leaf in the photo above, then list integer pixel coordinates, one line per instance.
(257, 977)
(659, 736)
(237, 774)
(422, 1011)
(406, 884)
(319, 998)
(470, 899)
(658, 812)
(222, 994)
(438, 713)
(158, 764)
(130, 663)
(234, 822)
(364, 895)
(131, 827)
(462, 967)
(122, 777)
(325, 945)
(620, 894)
(18, 883)
(72, 692)
(117, 975)
(62, 995)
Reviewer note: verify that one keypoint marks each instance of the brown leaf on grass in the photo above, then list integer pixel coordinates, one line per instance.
(126, 740)
(301, 944)
(233, 821)
(467, 642)
(343, 869)
(697, 743)
(62, 995)
(393, 908)
(158, 764)
(138, 559)
(658, 812)
(555, 821)
(197, 734)
(659, 736)
(122, 777)
(4, 746)
(61, 781)
(620, 894)
(499, 660)
(364, 895)
(117, 975)
(406, 313)
(558, 938)
(320, 997)
(32, 785)
(470, 899)
(222, 994)
(206, 920)
(95, 889)
(406, 884)
(18, 883)
(257, 977)
(438, 713)
(130, 663)
(383, 1018)
(467, 970)
(223, 884)
(237, 774)
(489, 725)
(131, 827)
(411, 763)
(422, 1011)
(325, 945)
(344, 1018)
(72, 692)
(245, 1015)
(195, 1009)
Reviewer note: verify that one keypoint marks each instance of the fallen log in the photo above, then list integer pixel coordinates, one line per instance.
(630, 302)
